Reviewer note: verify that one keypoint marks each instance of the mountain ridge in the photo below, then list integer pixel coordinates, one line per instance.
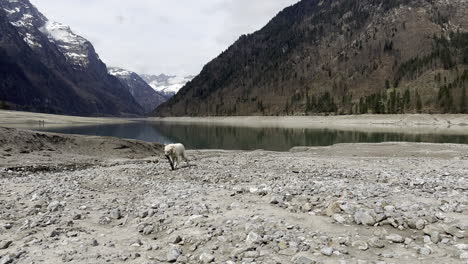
(144, 94)
(338, 57)
(69, 63)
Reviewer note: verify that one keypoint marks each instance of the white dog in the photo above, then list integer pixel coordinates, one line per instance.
(174, 153)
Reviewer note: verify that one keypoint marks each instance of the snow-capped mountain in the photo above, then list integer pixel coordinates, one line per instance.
(168, 85)
(33, 26)
(61, 67)
(144, 94)
(75, 48)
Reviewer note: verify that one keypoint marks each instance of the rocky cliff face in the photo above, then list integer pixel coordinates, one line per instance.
(65, 75)
(341, 57)
(144, 94)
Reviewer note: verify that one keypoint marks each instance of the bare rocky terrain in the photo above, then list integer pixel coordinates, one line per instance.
(76, 199)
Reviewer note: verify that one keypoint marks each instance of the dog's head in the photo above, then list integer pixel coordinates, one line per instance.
(168, 150)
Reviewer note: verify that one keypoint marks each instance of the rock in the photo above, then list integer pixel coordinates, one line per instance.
(462, 246)
(251, 254)
(454, 231)
(54, 233)
(425, 251)
(104, 220)
(389, 209)
(206, 258)
(176, 239)
(419, 224)
(395, 238)
(136, 243)
(143, 214)
(302, 260)
(94, 243)
(7, 259)
(361, 245)
(339, 219)
(53, 206)
(464, 255)
(408, 241)
(173, 254)
(387, 255)
(376, 242)
(380, 232)
(435, 237)
(148, 230)
(253, 238)
(364, 217)
(463, 225)
(276, 200)
(327, 251)
(332, 208)
(115, 213)
(77, 217)
(283, 245)
(307, 207)
(5, 244)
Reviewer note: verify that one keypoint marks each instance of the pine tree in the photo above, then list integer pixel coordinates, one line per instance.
(418, 102)
(463, 101)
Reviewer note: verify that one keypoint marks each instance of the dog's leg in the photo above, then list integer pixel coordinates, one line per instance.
(186, 160)
(176, 161)
(170, 162)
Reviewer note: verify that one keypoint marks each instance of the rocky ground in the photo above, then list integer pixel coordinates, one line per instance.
(350, 203)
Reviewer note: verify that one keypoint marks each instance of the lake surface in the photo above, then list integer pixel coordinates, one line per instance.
(205, 136)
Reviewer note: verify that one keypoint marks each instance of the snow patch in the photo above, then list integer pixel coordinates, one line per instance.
(31, 41)
(171, 85)
(10, 12)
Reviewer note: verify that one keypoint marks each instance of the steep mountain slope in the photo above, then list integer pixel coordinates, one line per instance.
(339, 56)
(75, 79)
(167, 85)
(144, 94)
(26, 82)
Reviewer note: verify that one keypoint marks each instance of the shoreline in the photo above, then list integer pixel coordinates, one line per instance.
(417, 123)
(408, 123)
(19, 119)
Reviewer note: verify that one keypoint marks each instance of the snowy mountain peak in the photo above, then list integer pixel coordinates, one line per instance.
(74, 47)
(148, 98)
(168, 85)
(119, 72)
(25, 17)
(37, 30)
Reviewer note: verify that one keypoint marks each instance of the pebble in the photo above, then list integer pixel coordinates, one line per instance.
(464, 255)
(395, 238)
(206, 258)
(302, 260)
(176, 239)
(53, 206)
(5, 244)
(364, 217)
(327, 251)
(376, 242)
(173, 254)
(361, 245)
(253, 238)
(425, 251)
(115, 214)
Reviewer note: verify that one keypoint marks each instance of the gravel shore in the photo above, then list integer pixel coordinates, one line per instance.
(76, 199)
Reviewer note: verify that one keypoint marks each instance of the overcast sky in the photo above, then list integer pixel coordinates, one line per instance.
(161, 36)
